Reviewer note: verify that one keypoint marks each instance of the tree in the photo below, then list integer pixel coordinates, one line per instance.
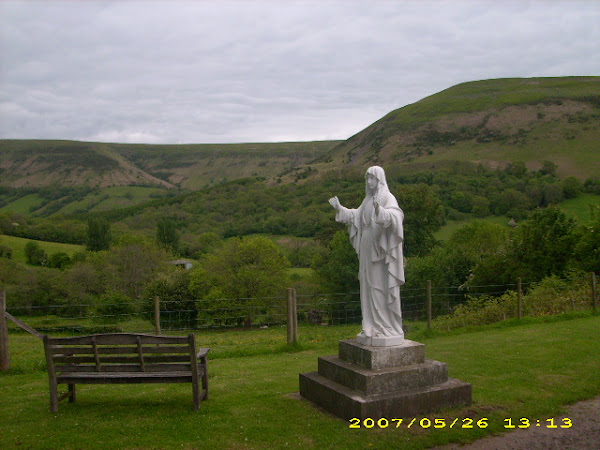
(249, 269)
(132, 264)
(35, 255)
(59, 260)
(6, 251)
(99, 235)
(338, 267)
(481, 206)
(572, 187)
(177, 304)
(587, 250)
(166, 234)
(423, 215)
(544, 244)
(548, 168)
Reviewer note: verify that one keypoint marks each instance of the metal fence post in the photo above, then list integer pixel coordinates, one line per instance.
(429, 304)
(520, 297)
(4, 352)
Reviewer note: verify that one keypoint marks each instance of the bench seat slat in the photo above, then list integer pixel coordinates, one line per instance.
(124, 378)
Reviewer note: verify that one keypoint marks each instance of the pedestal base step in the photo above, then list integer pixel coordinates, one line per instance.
(372, 382)
(347, 403)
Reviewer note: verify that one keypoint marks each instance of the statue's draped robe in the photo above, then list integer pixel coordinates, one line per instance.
(378, 241)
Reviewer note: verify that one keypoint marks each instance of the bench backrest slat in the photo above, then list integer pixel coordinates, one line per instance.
(118, 339)
(106, 350)
(121, 352)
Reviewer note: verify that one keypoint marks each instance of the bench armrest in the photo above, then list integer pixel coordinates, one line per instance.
(202, 353)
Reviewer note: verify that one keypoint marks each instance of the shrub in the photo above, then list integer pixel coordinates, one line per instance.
(6, 252)
(177, 306)
(59, 260)
(550, 296)
(480, 310)
(35, 255)
(113, 307)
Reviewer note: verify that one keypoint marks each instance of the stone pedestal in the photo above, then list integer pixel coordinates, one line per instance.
(391, 382)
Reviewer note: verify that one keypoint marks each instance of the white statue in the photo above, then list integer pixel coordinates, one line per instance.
(376, 234)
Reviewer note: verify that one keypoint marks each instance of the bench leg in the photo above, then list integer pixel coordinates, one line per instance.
(205, 380)
(72, 393)
(196, 394)
(53, 397)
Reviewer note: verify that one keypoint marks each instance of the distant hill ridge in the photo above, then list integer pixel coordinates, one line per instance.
(492, 122)
(39, 163)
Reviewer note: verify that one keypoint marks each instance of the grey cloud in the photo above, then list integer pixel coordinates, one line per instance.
(265, 70)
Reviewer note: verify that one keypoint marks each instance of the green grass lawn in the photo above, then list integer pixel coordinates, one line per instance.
(18, 246)
(530, 370)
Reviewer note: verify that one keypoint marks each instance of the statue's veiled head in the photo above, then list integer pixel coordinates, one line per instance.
(375, 173)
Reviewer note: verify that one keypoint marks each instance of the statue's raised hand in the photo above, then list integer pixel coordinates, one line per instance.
(335, 202)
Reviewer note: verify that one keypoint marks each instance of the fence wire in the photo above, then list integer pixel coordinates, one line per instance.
(449, 307)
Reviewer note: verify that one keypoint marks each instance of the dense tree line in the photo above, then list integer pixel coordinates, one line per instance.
(249, 206)
(126, 263)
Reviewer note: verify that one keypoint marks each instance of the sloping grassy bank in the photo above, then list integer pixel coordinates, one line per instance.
(530, 370)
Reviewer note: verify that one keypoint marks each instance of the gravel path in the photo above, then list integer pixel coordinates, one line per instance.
(583, 435)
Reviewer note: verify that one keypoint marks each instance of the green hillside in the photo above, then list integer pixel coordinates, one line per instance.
(490, 123)
(493, 122)
(18, 247)
(34, 164)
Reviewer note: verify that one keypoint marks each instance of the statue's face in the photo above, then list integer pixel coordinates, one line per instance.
(372, 181)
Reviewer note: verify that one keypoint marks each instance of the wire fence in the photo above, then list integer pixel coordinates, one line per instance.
(432, 304)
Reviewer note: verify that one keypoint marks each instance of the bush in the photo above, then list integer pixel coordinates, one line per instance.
(6, 252)
(480, 310)
(550, 296)
(35, 255)
(177, 306)
(60, 260)
(113, 307)
(554, 295)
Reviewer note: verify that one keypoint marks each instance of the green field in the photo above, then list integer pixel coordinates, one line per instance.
(444, 233)
(23, 205)
(581, 207)
(114, 197)
(531, 370)
(18, 246)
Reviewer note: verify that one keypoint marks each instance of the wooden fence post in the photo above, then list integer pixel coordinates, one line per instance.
(4, 352)
(520, 297)
(429, 304)
(295, 317)
(292, 317)
(594, 292)
(157, 313)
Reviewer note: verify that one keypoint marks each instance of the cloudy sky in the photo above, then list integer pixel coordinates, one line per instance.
(265, 71)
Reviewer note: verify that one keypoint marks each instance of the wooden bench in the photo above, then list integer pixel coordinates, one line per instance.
(124, 358)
